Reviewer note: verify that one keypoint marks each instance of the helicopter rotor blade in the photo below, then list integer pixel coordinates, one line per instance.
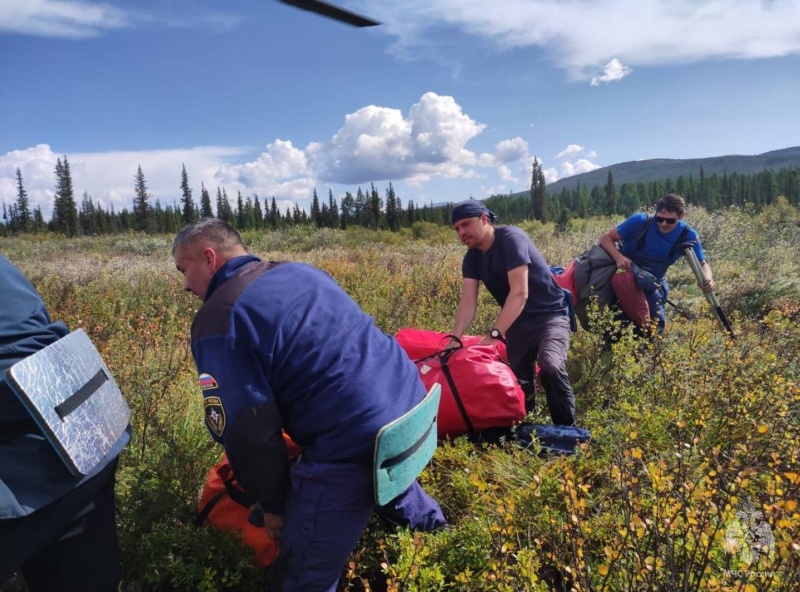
(331, 11)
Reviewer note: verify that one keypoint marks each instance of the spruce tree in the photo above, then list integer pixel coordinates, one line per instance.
(224, 211)
(258, 213)
(316, 211)
(240, 212)
(25, 221)
(65, 211)
(87, 216)
(142, 214)
(275, 214)
(539, 204)
(333, 210)
(375, 205)
(611, 196)
(187, 211)
(205, 203)
(361, 208)
(348, 210)
(392, 220)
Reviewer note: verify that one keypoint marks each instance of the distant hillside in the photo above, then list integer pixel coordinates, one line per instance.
(666, 168)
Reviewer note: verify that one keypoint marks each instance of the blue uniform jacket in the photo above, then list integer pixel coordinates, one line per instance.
(282, 346)
(31, 474)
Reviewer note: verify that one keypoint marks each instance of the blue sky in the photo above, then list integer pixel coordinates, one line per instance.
(446, 99)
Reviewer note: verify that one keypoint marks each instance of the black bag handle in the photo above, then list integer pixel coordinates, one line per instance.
(232, 490)
(443, 356)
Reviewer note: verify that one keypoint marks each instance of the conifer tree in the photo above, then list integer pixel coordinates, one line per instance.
(411, 213)
(224, 210)
(187, 211)
(392, 220)
(38, 220)
(375, 205)
(87, 216)
(142, 213)
(333, 210)
(362, 209)
(539, 204)
(24, 220)
(348, 216)
(316, 211)
(205, 202)
(611, 196)
(258, 213)
(240, 211)
(65, 211)
(275, 215)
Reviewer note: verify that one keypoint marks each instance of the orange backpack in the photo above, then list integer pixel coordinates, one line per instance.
(226, 505)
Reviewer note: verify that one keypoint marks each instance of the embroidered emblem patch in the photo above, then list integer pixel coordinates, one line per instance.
(215, 414)
(207, 382)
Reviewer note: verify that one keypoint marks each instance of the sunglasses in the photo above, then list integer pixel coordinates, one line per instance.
(662, 220)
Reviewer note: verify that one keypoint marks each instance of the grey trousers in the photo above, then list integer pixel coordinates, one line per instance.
(544, 341)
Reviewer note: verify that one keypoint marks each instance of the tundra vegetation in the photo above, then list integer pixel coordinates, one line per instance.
(696, 437)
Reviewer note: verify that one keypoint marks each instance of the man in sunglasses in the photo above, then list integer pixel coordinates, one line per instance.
(657, 248)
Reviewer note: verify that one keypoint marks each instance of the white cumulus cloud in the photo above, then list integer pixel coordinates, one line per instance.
(378, 143)
(614, 70)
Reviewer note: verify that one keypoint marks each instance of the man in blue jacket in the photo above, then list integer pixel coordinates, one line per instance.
(280, 346)
(657, 249)
(58, 529)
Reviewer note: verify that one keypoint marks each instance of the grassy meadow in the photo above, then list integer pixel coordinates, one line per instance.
(694, 434)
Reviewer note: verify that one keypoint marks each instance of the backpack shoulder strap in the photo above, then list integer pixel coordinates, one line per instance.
(642, 233)
(681, 240)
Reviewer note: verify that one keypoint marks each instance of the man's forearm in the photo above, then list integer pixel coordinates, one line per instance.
(464, 316)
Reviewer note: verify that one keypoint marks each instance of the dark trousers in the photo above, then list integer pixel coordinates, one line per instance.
(544, 341)
(655, 301)
(326, 512)
(70, 544)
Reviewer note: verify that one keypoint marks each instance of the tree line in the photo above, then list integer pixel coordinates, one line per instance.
(712, 192)
(366, 208)
(373, 209)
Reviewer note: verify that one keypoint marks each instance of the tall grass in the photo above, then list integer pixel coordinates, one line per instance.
(689, 429)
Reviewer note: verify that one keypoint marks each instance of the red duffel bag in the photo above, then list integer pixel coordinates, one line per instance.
(421, 343)
(479, 390)
(631, 297)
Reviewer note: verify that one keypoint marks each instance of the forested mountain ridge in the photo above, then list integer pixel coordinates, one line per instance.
(668, 168)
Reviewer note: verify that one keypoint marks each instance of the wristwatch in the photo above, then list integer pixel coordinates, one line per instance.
(495, 334)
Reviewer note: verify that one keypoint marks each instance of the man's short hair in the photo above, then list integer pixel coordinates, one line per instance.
(218, 233)
(672, 202)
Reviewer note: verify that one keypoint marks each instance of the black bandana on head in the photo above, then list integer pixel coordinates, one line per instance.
(471, 208)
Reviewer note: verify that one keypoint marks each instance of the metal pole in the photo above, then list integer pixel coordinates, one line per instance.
(691, 257)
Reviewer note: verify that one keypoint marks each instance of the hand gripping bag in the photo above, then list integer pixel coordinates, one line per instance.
(479, 390)
(421, 343)
(224, 504)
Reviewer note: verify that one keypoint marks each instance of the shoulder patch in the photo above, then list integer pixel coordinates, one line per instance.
(207, 382)
(215, 414)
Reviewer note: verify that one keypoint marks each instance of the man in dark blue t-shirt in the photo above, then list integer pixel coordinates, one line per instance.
(534, 318)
